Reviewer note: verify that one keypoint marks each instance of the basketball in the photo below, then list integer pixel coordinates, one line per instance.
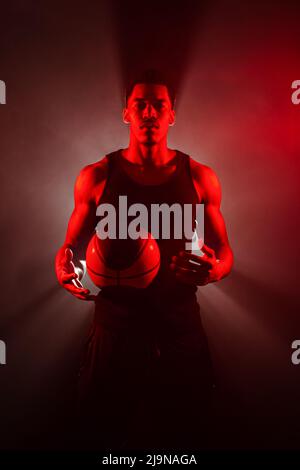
(115, 262)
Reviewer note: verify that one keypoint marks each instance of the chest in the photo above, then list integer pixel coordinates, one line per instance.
(150, 176)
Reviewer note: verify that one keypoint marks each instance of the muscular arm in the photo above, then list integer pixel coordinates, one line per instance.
(215, 234)
(218, 257)
(88, 189)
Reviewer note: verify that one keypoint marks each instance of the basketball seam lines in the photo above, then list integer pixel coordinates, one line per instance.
(126, 277)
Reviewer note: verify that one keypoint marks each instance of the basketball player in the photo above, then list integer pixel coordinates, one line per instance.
(146, 378)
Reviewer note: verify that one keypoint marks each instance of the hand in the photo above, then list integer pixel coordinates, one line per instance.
(194, 269)
(69, 278)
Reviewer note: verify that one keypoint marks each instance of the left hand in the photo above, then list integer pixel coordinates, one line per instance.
(195, 269)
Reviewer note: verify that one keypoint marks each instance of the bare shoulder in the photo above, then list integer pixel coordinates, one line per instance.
(206, 182)
(93, 173)
(91, 179)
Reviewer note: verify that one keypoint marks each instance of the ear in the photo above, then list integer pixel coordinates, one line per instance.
(172, 117)
(126, 116)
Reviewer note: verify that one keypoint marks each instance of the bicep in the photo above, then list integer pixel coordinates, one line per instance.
(209, 190)
(215, 234)
(83, 218)
(81, 224)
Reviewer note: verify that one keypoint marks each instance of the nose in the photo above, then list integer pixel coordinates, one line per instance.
(149, 111)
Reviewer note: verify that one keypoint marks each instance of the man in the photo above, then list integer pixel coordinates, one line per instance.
(146, 378)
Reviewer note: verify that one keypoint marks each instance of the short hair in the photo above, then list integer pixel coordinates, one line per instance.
(154, 77)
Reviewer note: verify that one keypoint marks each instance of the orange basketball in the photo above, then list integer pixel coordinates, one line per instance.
(133, 263)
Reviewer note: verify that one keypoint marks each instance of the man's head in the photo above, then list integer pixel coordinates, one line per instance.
(149, 108)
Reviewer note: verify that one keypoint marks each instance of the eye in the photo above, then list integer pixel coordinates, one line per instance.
(160, 105)
(139, 105)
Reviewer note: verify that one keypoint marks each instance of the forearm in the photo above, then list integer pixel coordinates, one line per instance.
(224, 256)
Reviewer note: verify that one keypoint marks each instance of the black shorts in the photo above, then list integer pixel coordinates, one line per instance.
(145, 379)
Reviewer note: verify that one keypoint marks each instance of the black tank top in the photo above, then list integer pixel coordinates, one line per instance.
(178, 188)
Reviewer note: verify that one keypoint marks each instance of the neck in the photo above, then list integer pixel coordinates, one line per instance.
(152, 155)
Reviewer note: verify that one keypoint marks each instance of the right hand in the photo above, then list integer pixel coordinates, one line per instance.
(69, 278)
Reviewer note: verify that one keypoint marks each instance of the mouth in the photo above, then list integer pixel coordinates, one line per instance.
(150, 125)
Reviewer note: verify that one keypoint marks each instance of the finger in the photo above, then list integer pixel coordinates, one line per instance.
(86, 295)
(178, 261)
(184, 265)
(199, 274)
(207, 250)
(192, 278)
(76, 290)
(67, 277)
(202, 260)
(77, 282)
(69, 255)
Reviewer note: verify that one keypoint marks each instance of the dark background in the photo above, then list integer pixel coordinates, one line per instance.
(65, 66)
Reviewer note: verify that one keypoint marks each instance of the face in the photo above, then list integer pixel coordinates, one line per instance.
(149, 113)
